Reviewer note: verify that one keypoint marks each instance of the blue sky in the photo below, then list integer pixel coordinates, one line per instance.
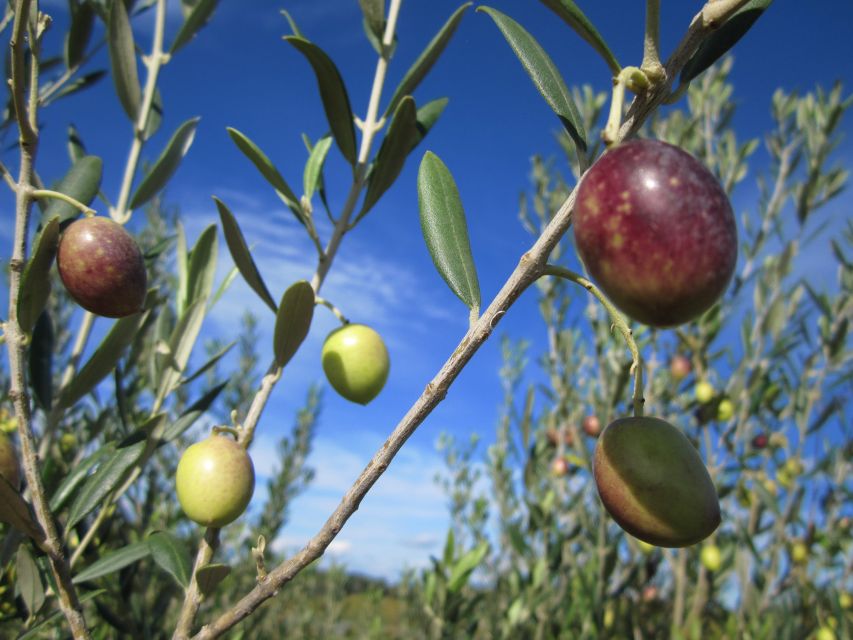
(240, 73)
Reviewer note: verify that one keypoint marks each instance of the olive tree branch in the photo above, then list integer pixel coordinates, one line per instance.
(153, 62)
(26, 116)
(531, 266)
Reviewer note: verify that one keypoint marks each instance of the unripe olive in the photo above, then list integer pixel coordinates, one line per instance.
(799, 552)
(704, 392)
(356, 362)
(711, 557)
(215, 481)
(725, 410)
(9, 468)
(653, 482)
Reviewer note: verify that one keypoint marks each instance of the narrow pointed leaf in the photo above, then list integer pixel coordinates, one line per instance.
(181, 344)
(103, 361)
(110, 473)
(463, 569)
(575, 18)
(41, 361)
(171, 555)
(209, 577)
(79, 33)
(15, 512)
(445, 229)
(374, 16)
(723, 39)
(155, 116)
(79, 84)
(209, 364)
(202, 265)
(122, 52)
(166, 164)
(194, 21)
(76, 148)
(29, 581)
(75, 477)
(193, 413)
(35, 281)
(293, 321)
(401, 138)
(427, 116)
(241, 255)
(268, 171)
(114, 561)
(290, 21)
(226, 283)
(82, 182)
(334, 95)
(543, 72)
(421, 67)
(314, 167)
(182, 268)
(36, 631)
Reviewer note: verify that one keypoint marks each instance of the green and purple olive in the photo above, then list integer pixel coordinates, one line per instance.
(215, 481)
(102, 268)
(655, 230)
(653, 482)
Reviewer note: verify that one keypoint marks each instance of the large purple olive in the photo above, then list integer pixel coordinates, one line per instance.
(656, 232)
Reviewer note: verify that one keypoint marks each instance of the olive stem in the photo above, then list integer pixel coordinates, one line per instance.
(192, 600)
(651, 65)
(154, 62)
(632, 78)
(56, 195)
(618, 321)
(25, 114)
(331, 307)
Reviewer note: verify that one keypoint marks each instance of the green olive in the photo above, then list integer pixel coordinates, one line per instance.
(215, 481)
(356, 362)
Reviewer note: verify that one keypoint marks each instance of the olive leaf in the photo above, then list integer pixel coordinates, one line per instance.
(543, 72)
(268, 170)
(575, 18)
(78, 473)
(241, 255)
(166, 165)
(723, 39)
(374, 16)
(290, 21)
(401, 138)
(312, 176)
(333, 94)
(195, 20)
(79, 32)
(122, 52)
(293, 321)
(41, 361)
(209, 577)
(103, 360)
(15, 511)
(193, 413)
(29, 582)
(421, 67)
(445, 229)
(35, 281)
(171, 555)
(109, 474)
(82, 182)
(114, 561)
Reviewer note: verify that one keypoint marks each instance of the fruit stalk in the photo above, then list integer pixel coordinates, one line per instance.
(192, 600)
(618, 321)
(26, 117)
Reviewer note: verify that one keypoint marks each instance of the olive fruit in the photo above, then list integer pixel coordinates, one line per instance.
(704, 392)
(9, 468)
(356, 362)
(711, 557)
(559, 466)
(725, 410)
(215, 481)
(591, 426)
(679, 368)
(656, 232)
(102, 268)
(653, 482)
